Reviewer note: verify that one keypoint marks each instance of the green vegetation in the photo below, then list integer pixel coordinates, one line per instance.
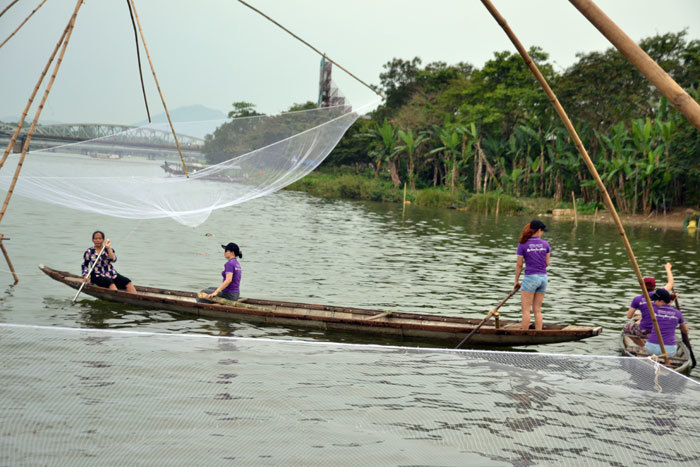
(459, 136)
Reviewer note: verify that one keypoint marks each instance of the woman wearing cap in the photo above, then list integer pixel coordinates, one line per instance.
(230, 286)
(103, 274)
(534, 252)
(642, 327)
(668, 319)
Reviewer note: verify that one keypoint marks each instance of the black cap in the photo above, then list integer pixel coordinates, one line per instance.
(231, 247)
(537, 224)
(661, 294)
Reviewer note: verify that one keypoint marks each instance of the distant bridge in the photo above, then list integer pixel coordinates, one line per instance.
(122, 138)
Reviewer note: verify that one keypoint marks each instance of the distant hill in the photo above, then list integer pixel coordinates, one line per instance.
(190, 113)
(28, 120)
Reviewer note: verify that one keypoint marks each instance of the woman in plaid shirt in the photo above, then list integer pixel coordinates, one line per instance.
(104, 274)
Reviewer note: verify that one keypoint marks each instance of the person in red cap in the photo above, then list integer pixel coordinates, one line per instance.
(643, 326)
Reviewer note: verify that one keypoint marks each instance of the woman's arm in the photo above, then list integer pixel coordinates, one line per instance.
(669, 278)
(684, 328)
(109, 251)
(630, 312)
(224, 284)
(547, 261)
(518, 269)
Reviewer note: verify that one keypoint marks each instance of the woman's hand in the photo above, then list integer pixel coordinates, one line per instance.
(85, 278)
(108, 244)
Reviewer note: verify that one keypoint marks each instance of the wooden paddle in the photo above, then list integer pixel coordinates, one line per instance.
(89, 272)
(686, 339)
(488, 316)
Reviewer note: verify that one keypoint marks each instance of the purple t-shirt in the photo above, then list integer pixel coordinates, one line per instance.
(535, 252)
(234, 268)
(638, 303)
(668, 318)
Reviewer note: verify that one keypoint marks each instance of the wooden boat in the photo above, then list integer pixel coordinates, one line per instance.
(429, 328)
(633, 346)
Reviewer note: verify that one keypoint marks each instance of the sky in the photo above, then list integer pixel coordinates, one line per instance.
(216, 52)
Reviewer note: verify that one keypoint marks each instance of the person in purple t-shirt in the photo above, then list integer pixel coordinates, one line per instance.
(641, 327)
(534, 252)
(231, 275)
(669, 319)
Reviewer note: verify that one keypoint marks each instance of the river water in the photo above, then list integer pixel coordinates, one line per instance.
(300, 248)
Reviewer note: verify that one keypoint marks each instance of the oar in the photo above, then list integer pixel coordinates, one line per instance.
(686, 340)
(88, 273)
(488, 316)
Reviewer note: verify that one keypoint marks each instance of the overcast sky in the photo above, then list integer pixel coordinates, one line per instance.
(215, 52)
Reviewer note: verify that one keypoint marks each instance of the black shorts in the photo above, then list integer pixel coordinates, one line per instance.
(120, 281)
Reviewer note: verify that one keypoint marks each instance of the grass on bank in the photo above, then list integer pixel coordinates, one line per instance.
(363, 187)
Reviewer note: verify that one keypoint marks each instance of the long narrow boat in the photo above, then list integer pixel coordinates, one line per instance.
(449, 330)
(633, 346)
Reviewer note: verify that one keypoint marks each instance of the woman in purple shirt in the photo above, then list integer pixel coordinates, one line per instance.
(231, 275)
(669, 319)
(534, 252)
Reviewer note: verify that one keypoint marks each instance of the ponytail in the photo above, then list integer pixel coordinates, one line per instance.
(527, 233)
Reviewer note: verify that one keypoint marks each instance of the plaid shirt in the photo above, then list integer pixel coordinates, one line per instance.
(104, 264)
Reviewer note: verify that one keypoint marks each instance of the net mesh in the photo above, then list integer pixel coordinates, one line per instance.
(73, 397)
(137, 173)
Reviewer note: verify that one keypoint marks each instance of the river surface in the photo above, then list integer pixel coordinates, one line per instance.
(101, 395)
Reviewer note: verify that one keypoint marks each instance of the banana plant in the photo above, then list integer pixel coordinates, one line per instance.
(411, 144)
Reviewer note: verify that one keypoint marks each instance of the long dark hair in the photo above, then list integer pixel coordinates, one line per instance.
(527, 233)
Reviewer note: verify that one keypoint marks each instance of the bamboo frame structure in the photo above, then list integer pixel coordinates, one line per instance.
(68, 32)
(584, 154)
(22, 23)
(30, 101)
(155, 78)
(7, 258)
(311, 47)
(637, 57)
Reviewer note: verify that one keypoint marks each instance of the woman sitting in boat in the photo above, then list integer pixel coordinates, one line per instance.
(103, 274)
(642, 327)
(230, 286)
(535, 253)
(669, 319)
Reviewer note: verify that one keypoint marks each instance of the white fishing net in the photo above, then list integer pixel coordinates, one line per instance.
(137, 173)
(94, 397)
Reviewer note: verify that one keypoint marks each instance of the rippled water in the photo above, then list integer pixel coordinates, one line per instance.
(410, 408)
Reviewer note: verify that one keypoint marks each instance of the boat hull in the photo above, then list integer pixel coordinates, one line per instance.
(447, 330)
(632, 346)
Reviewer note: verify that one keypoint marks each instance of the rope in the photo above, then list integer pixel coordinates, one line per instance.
(138, 59)
(310, 46)
(657, 368)
(8, 7)
(21, 24)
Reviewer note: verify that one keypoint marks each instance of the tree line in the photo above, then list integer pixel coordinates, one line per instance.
(460, 127)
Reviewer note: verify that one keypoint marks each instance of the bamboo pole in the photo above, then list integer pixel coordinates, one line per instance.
(7, 258)
(25, 148)
(498, 204)
(595, 217)
(310, 46)
(637, 57)
(31, 98)
(155, 78)
(22, 23)
(584, 154)
(404, 199)
(573, 201)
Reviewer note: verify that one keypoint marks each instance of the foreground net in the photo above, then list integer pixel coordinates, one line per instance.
(136, 173)
(87, 397)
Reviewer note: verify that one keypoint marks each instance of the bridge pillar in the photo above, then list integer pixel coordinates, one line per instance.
(19, 143)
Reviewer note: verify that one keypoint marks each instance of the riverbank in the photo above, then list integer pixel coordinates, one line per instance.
(360, 187)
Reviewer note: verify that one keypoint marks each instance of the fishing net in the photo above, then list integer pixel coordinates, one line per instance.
(137, 174)
(73, 397)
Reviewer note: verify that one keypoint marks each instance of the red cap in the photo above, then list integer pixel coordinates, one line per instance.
(650, 283)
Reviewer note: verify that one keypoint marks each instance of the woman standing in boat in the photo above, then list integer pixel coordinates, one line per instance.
(103, 274)
(230, 286)
(534, 252)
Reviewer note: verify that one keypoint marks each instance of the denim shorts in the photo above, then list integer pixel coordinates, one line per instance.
(534, 283)
(655, 349)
